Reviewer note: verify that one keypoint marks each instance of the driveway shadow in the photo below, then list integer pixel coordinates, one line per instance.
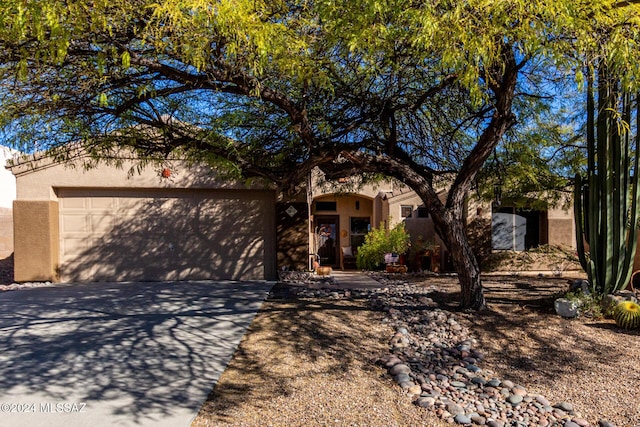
(135, 353)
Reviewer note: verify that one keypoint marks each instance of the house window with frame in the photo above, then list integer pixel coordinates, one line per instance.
(326, 206)
(406, 211)
(360, 226)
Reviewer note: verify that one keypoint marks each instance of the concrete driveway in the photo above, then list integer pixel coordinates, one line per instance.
(128, 354)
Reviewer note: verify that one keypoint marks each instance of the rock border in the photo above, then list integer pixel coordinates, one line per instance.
(435, 361)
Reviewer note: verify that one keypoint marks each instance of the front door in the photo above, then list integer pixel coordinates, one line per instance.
(326, 236)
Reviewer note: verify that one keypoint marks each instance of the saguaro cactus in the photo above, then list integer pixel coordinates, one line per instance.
(606, 202)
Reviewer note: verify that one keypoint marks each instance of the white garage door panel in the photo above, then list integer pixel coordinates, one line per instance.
(165, 235)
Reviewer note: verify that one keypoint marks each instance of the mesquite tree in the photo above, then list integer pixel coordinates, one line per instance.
(418, 91)
(606, 202)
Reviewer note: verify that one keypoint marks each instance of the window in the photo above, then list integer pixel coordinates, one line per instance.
(423, 212)
(359, 228)
(406, 211)
(326, 206)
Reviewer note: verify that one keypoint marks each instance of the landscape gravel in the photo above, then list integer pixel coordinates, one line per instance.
(437, 361)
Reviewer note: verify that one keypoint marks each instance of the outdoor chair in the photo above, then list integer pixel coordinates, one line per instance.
(348, 258)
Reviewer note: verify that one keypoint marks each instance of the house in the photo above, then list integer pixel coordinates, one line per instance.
(111, 224)
(180, 221)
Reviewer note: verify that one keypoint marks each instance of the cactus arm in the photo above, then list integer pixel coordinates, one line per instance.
(595, 215)
(606, 170)
(619, 203)
(579, 207)
(624, 180)
(634, 174)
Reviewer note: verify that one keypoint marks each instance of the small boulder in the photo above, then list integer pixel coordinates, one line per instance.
(400, 368)
(566, 308)
(580, 285)
(462, 419)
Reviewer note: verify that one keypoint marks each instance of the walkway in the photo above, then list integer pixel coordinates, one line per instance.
(351, 279)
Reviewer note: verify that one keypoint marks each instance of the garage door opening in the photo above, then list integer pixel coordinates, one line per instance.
(159, 234)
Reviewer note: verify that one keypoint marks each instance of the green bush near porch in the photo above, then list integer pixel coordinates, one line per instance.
(380, 241)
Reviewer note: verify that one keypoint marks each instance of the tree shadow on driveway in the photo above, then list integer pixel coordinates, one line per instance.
(134, 352)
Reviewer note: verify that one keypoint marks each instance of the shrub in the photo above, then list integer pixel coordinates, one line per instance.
(589, 305)
(380, 241)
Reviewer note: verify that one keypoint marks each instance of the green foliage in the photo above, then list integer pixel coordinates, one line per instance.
(380, 241)
(272, 89)
(627, 315)
(606, 203)
(535, 164)
(589, 305)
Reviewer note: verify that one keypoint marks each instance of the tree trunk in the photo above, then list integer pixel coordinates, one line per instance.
(450, 224)
(466, 265)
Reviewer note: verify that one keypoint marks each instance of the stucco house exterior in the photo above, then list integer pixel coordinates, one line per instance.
(108, 224)
(181, 222)
(348, 212)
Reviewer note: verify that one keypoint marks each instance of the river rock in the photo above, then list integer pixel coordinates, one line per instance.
(426, 402)
(400, 368)
(462, 419)
(565, 406)
(542, 400)
(566, 308)
(401, 378)
(514, 399)
(455, 409)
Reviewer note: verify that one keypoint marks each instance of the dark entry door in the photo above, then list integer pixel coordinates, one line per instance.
(326, 234)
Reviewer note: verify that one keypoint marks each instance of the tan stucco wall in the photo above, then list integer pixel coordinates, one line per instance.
(40, 184)
(397, 201)
(36, 245)
(292, 235)
(421, 230)
(6, 232)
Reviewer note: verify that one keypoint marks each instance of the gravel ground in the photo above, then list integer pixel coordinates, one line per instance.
(315, 361)
(311, 362)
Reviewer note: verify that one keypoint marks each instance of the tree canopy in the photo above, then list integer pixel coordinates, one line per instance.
(272, 89)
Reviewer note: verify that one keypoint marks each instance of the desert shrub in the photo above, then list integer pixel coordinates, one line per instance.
(589, 305)
(380, 241)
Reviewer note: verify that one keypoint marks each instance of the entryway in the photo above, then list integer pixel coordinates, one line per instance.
(327, 239)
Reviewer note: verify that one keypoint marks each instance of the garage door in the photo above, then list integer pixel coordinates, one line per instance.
(148, 235)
